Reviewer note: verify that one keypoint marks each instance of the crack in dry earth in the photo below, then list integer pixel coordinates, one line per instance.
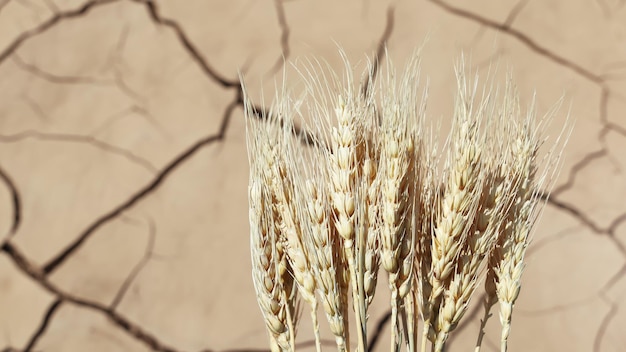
(16, 202)
(72, 138)
(118, 320)
(284, 36)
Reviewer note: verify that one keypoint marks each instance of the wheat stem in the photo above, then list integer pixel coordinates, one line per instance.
(488, 303)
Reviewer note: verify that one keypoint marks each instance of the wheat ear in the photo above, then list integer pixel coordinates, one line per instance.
(337, 158)
(426, 212)
(268, 281)
(343, 173)
(312, 199)
(367, 241)
(507, 261)
(469, 256)
(398, 154)
(399, 146)
(274, 284)
(369, 182)
(503, 190)
(516, 234)
(457, 205)
(283, 175)
(372, 249)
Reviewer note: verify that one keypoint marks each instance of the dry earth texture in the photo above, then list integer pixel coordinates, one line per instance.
(124, 172)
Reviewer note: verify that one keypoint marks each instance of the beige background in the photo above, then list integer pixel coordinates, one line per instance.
(123, 170)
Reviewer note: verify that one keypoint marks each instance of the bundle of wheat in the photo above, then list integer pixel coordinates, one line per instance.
(323, 220)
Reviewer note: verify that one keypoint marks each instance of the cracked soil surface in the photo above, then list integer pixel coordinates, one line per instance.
(123, 166)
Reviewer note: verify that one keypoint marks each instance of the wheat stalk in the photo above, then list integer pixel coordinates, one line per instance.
(504, 189)
(314, 213)
(516, 234)
(343, 174)
(266, 275)
(457, 209)
(273, 283)
(399, 178)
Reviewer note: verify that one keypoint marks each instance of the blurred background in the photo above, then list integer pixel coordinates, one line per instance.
(123, 165)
